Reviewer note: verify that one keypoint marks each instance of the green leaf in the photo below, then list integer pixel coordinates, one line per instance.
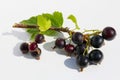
(30, 21)
(43, 23)
(56, 18)
(50, 33)
(50, 16)
(47, 15)
(73, 18)
(33, 32)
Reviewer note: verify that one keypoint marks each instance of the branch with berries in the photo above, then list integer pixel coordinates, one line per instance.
(82, 45)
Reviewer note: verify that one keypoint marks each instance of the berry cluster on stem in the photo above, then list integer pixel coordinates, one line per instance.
(83, 41)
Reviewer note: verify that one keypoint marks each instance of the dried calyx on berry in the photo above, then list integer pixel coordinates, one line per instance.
(82, 45)
(32, 47)
(36, 53)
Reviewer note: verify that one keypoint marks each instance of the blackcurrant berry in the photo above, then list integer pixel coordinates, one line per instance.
(36, 53)
(97, 41)
(33, 46)
(77, 38)
(69, 48)
(109, 33)
(80, 49)
(24, 47)
(60, 43)
(95, 56)
(39, 38)
(82, 61)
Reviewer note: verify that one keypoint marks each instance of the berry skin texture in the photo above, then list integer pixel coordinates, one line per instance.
(69, 48)
(24, 47)
(82, 61)
(97, 41)
(95, 56)
(79, 49)
(108, 33)
(77, 38)
(60, 43)
(39, 38)
(36, 53)
(33, 46)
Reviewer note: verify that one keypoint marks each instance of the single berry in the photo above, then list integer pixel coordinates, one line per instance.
(24, 47)
(95, 56)
(77, 38)
(80, 49)
(33, 46)
(69, 48)
(60, 43)
(82, 61)
(97, 41)
(108, 33)
(39, 38)
(36, 53)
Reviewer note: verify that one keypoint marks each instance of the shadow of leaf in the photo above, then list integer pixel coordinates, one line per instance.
(20, 35)
(49, 45)
(59, 35)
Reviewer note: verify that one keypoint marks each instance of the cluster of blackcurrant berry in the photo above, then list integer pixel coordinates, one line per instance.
(82, 43)
(32, 47)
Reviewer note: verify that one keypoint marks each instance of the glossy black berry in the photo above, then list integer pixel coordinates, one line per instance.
(69, 48)
(33, 46)
(60, 43)
(80, 49)
(24, 47)
(95, 56)
(82, 61)
(77, 38)
(108, 33)
(97, 41)
(39, 38)
(36, 53)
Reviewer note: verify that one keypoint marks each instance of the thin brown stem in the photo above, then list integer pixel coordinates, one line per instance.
(66, 29)
(16, 25)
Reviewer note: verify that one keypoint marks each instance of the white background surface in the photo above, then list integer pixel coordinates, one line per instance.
(91, 14)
